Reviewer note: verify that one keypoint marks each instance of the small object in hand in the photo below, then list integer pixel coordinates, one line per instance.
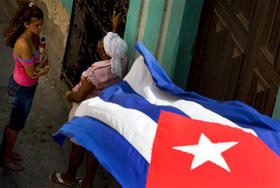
(42, 44)
(68, 93)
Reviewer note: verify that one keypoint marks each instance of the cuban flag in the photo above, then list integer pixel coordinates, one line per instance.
(147, 132)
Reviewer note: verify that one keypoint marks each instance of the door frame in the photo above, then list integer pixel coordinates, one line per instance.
(139, 13)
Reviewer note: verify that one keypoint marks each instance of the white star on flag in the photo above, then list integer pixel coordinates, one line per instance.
(205, 151)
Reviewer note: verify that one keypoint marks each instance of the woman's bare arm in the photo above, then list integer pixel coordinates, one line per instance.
(82, 93)
(41, 68)
(23, 50)
(116, 22)
(43, 62)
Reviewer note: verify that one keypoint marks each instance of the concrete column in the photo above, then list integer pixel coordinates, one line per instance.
(132, 26)
(57, 15)
(168, 29)
(276, 111)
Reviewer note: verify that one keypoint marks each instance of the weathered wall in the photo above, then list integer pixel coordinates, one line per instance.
(56, 27)
(10, 5)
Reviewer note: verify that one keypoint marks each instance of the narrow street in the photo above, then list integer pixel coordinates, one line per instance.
(41, 155)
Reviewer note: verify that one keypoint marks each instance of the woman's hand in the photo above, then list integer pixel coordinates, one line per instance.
(43, 59)
(82, 93)
(68, 96)
(116, 21)
(42, 72)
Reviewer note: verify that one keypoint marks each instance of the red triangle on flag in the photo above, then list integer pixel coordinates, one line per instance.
(194, 153)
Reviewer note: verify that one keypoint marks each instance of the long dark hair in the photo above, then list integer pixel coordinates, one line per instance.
(24, 13)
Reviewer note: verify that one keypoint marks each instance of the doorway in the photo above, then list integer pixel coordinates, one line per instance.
(236, 55)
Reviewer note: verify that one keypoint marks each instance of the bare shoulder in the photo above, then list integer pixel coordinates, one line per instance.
(22, 44)
(23, 48)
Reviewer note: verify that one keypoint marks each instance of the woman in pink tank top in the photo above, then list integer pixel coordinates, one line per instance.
(23, 36)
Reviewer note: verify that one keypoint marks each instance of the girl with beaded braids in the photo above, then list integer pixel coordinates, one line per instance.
(23, 36)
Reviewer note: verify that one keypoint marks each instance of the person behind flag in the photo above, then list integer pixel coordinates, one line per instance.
(150, 133)
(23, 36)
(98, 76)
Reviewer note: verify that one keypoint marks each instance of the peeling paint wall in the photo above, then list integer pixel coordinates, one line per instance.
(57, 15)
(68, 5)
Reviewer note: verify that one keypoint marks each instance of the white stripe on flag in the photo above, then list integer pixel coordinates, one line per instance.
(135, 126)
(140, 79)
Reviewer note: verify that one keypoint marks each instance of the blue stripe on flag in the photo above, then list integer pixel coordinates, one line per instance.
(121, 93)
(120, 158)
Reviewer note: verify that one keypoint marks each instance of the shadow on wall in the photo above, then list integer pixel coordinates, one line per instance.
(10, 5)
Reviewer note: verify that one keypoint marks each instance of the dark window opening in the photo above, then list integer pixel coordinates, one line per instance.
(91, 20)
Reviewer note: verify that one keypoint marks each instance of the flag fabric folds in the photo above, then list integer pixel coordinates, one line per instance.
(122, 128)
(196, 153)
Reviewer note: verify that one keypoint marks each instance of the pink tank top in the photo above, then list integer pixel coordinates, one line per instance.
(19, 73)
